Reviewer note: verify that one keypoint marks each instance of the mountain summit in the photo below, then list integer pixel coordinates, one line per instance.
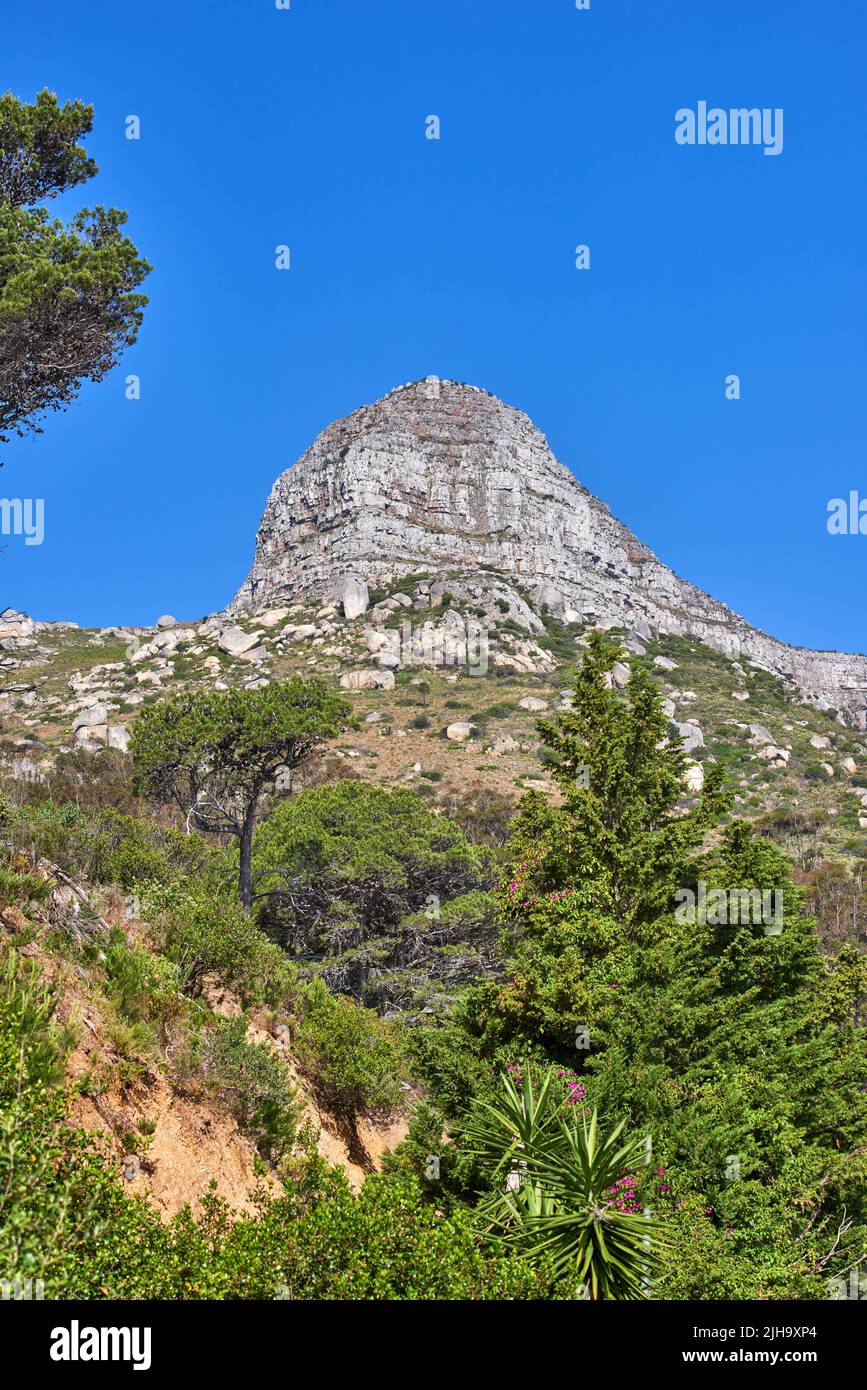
(442, 478)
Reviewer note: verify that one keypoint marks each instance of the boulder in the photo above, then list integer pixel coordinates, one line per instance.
(90, 718)
(118, 737)
(374, 641)
(819, 741)
(354, 596)
(368, 680)
(272, 617)
(387, 660)
(533, 703)
(777, 757)
(619, 674)
(694, 778)
(460, 731)
(92, 738)
(15, 624)
(761, 735)
(234, 640)
(692, 736)
(166, 621)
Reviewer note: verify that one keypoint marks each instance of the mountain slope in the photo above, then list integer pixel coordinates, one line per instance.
(438, 475)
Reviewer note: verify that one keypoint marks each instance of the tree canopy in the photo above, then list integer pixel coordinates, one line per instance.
(213, 753)
(380, 853)
(69, 300)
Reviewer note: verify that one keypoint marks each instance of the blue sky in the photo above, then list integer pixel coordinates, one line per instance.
(456, 258)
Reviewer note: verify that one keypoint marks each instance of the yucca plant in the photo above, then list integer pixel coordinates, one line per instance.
(553, 1176)
(503, 1137)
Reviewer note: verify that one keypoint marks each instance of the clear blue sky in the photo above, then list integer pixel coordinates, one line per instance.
(456, 258)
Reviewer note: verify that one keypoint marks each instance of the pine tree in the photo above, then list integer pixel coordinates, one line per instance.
(620, 842)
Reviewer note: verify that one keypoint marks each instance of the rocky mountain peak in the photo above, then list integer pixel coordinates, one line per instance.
(442, 479)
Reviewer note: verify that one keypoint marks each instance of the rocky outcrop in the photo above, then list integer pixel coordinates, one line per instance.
(438, 477)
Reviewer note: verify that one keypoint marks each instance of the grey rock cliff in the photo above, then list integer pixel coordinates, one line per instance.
(442, 478)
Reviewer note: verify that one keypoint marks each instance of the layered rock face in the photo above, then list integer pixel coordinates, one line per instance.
(440, 478)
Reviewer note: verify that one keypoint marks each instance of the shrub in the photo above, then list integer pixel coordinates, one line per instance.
(32, 1045)
(386, 1243)
(108, 847)
(204, 934)
(18, 888)
(353, 1059)
(484, 814)
(143, 987)
(255, 1084)
(351, 850)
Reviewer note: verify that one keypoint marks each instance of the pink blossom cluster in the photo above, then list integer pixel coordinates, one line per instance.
(624, 1197)
(555, 896)
(665, 1187)
(573, 1088)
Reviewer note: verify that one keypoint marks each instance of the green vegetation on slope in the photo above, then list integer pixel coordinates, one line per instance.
(706, 1068)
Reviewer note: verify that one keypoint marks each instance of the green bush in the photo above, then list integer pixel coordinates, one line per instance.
(359, 852)
(65, 1219)
(255, 1085)
(353, 1059)
(204, 934)
(33, 1045)
(108, 847)
(144, 987)
(17, 888)
(59, 1201)
(386, 1243)
(63, 834)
